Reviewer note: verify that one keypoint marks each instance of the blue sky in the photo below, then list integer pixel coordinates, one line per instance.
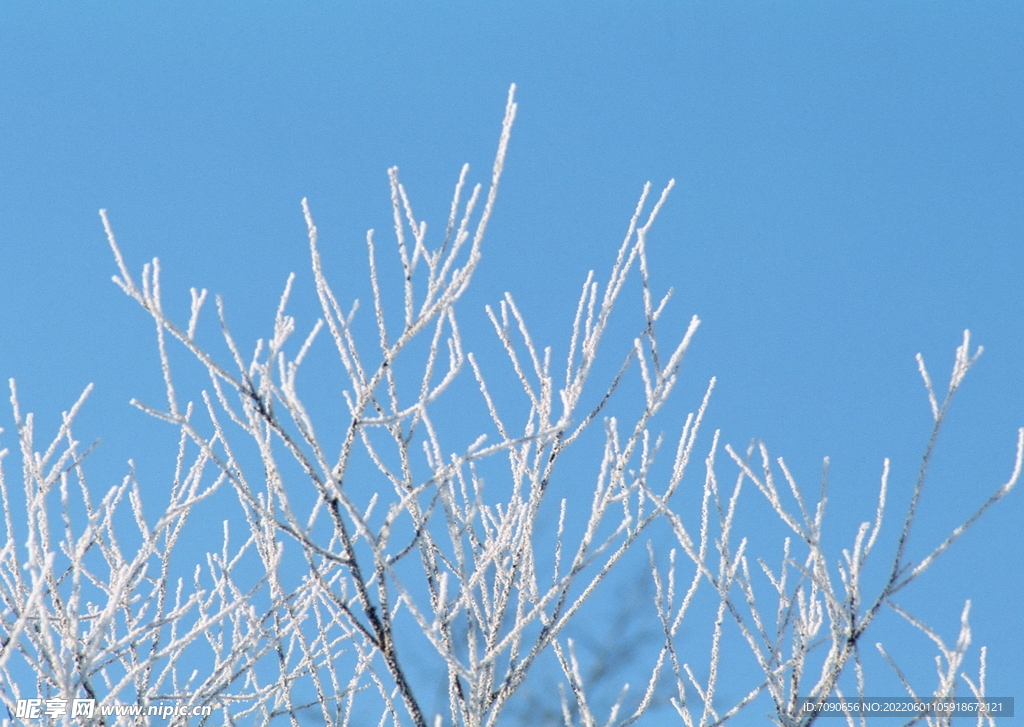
(848, 194)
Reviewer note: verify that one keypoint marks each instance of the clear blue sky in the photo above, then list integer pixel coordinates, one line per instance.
(849, 193)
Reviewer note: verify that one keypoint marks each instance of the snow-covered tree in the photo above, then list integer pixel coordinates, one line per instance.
(367, 537)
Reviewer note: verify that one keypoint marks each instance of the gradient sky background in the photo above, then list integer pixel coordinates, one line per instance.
(849, 186)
